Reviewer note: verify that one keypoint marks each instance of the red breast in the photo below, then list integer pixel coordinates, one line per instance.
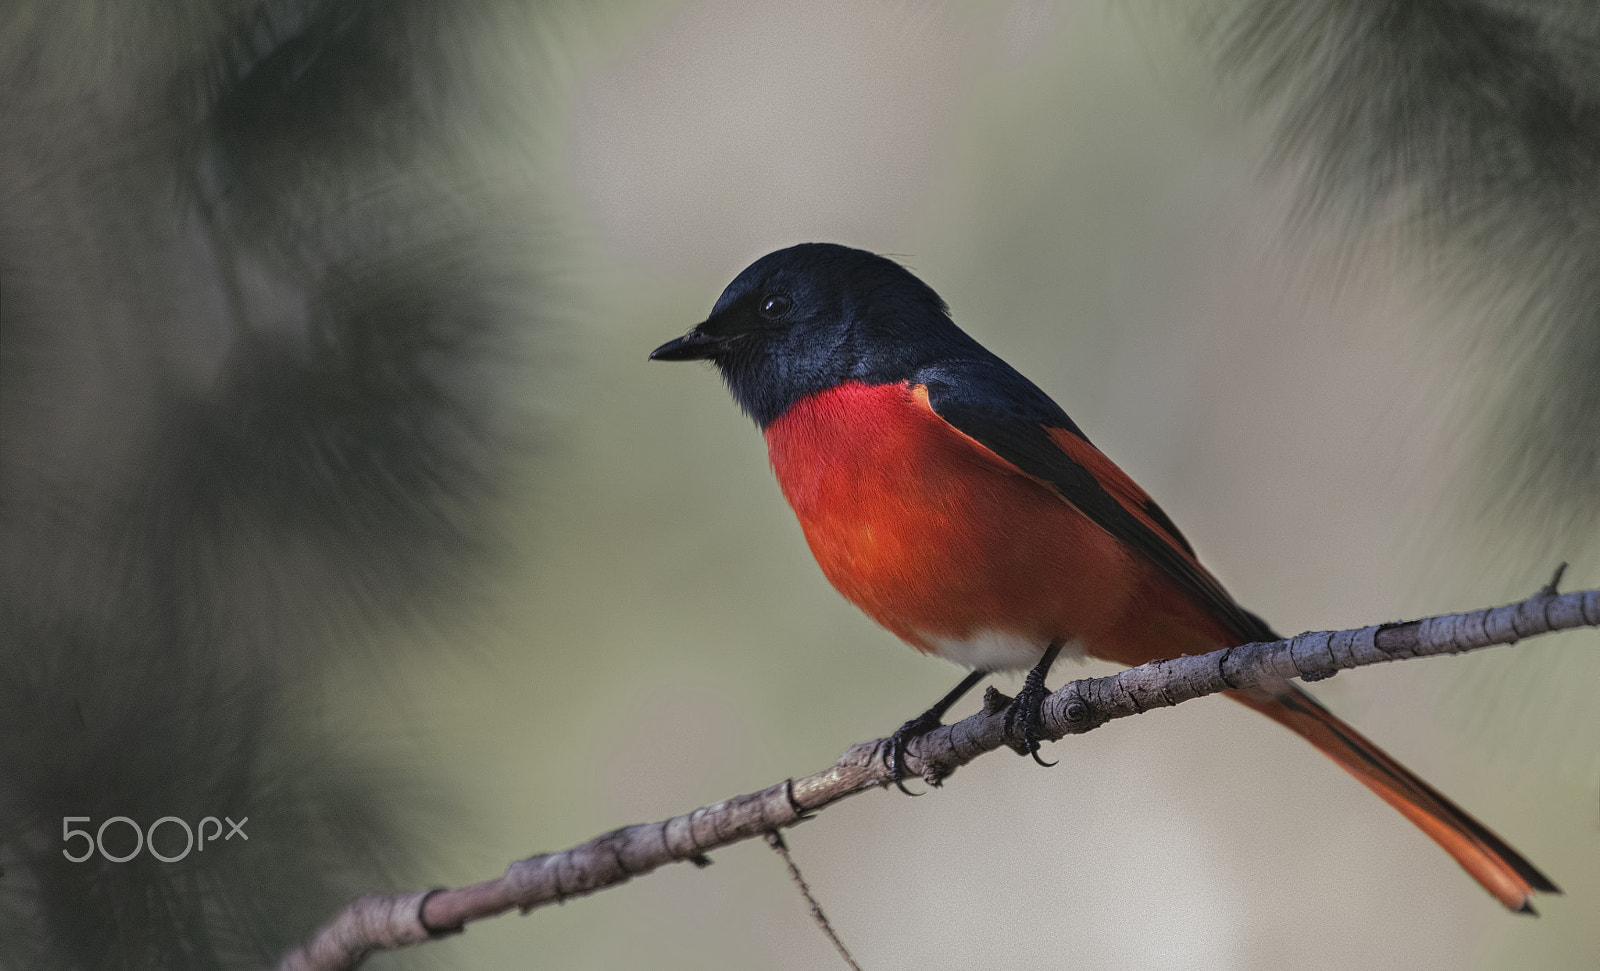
(939, 539)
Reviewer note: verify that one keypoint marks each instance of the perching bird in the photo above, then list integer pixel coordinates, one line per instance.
(954, 502)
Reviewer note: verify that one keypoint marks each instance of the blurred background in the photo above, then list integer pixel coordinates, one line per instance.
(338, 491)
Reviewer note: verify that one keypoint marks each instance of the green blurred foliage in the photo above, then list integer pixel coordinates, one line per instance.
(261, 307)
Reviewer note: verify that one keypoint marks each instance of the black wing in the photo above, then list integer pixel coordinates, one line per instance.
(1007, 414)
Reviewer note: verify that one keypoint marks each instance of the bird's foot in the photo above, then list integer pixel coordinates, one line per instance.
(894, 749)
(1025, 714)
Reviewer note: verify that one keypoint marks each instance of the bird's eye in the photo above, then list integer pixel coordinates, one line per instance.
(775, 305)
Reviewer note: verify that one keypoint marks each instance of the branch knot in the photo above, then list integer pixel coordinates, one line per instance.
(1077, 713)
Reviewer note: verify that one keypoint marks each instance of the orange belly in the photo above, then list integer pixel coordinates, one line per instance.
(940, 540)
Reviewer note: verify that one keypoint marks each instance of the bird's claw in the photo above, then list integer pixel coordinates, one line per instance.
(1026, 713)
(894, 749)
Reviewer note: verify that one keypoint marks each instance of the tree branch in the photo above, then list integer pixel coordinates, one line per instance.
(381, 922)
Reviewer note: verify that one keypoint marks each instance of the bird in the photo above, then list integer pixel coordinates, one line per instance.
(958, 506)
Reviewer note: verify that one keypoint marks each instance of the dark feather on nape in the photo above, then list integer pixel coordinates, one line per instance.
(1473, 128)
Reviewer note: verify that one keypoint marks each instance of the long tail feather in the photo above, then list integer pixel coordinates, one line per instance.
(1499, 868)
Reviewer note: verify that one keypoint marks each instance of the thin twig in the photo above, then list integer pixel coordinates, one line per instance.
(374, 923)
(776, 841)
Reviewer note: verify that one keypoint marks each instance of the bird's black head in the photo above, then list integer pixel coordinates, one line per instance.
(813, 316)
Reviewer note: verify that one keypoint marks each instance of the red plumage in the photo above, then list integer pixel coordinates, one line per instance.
(939, 539)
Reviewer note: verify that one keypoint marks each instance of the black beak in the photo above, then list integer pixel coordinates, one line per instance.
(693, 346)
